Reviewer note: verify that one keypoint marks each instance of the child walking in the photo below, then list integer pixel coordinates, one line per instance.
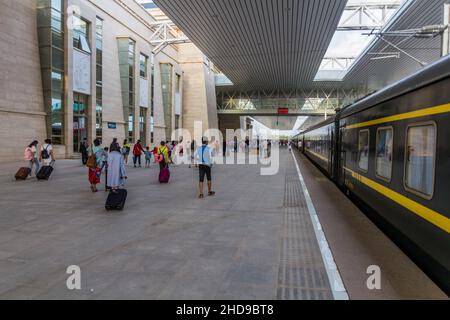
(148, 157)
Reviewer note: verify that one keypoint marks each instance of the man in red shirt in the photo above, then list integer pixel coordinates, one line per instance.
(138, 150)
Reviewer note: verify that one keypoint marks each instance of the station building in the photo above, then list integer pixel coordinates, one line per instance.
(87, 69)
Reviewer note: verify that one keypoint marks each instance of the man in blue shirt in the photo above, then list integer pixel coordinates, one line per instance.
(205, 166)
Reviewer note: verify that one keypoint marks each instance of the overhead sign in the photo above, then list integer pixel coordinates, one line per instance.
(283, 110)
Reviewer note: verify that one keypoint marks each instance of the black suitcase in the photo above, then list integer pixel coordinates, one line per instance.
(23, 173)
(116, 200)
(45, 173)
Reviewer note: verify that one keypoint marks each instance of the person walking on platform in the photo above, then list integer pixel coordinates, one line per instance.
(94, 163)
(137, 153)
(116, 168)
(148, 157)
(224, 148)
(47, 156)
(163, 154)
(205, 168)
(84, 147)
(164, 160)
(193, 147)
(269, 148)
(126, 151)
(32, 156)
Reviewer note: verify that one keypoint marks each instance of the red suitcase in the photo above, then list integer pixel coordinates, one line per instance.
(164, 175)
(23, 173)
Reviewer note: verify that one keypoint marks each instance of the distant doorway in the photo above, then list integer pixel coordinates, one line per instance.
(80, 129)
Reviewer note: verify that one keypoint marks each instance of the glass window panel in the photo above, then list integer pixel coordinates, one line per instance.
(57, 40)
(84, 44)
(99, 93)
(99, 75)
(56, 102)
(57, 140)
(57, 21)
(131, 99)
(131, 46)
(421, 157)
(57, 4)
(131, 84)
(76, 41)
(57, 124)
(99, 57)
(363, 150)
(130, 127)
(57, 59)
(385, 142)
(80, 34)
(143, 61)
(99, 27)
(57, 81)
(131, 69)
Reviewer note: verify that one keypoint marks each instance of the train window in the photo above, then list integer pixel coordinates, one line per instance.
(363, 150)
(420, 159)
(385, 143)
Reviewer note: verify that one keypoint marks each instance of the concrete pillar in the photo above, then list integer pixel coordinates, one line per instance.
(446, 34)
(198, 89)
(68, 87)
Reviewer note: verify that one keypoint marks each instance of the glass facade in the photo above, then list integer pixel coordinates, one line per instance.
(152, 101)
(99, 84)
(80, 111)
(50, 19)
(143, 63)
(127, 52)
(142, 125)
(80, 34)
(167, 94)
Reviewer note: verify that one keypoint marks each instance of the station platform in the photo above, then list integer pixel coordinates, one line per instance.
(258, 238)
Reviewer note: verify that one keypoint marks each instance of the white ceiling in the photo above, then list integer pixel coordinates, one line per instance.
(279, 44)
(264, 44)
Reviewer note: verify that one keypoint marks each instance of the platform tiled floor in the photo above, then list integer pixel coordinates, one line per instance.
(254, 240)
(167, 244)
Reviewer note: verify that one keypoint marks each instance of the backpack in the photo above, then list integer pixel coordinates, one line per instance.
(92, 161)
(44, 154)
(28, 154)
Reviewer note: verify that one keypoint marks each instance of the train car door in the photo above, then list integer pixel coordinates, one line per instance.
(342, 157)
(331, 151)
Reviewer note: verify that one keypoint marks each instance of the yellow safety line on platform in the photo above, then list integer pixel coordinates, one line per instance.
(409, 115)
(434, 217)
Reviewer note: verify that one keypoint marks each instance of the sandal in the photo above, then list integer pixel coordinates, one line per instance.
(201, 196)
(212, 193)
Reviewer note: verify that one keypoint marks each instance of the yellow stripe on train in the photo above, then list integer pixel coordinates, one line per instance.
(409, 115)
(431, 216)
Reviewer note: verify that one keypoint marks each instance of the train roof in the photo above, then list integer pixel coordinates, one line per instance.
(430, 74)
(330, 120)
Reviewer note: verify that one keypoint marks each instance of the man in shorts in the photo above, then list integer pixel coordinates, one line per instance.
(205, 167)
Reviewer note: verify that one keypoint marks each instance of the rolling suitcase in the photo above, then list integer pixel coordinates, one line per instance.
(45, 173)
(23, 173)
(164, 175)
(116, 200)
